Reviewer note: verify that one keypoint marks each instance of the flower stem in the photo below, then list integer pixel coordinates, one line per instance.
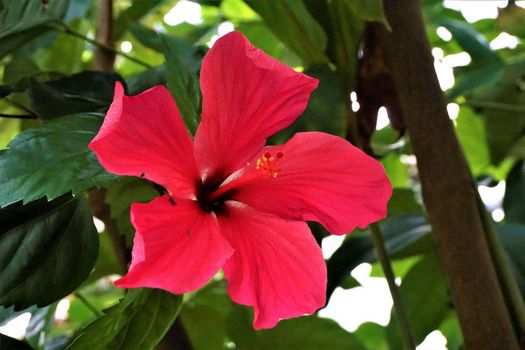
(382, 256)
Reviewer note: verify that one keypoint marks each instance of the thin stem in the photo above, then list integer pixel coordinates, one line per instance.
(382, 256)
(493, 105)
(509, 286)
(21, 107)
(86, 302)
(18, 116)
(64, 28)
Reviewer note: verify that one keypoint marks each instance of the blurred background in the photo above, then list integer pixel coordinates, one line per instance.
(479, 58)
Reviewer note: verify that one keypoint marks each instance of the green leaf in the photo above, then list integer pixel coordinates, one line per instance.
(344, 30)
(308, 333)
(261, 37)
(451, 329)
(50, 160)
(238, 11)
(9, 128)
(504, 116)
(511, 19)
(325, 111)
(146, 79)
(403, 201)
(134, 13)
(8, 313)
(512, 238)
(471, 41)
(397, 171)
(291, 22)
(474, 79)
(23, 21)
(183, 84)
(39, 326)
(514, 194)
(470, 129)
(184, 49)
(370, 10)
(64, 54)
(107, 262)
(18, 69)
(121, 193)
(46, 250)
(404, 235)
(139, 322)
(204, 317)
(426, 300)
(78, 93)
(240, 328)
(372, 335)
(486, 65)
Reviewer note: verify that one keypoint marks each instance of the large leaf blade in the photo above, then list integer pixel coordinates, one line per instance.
(291, 22)
(183, 85)
(46, 251)
(79, 93)
(139, 322)
(50, 160)
(25, 20)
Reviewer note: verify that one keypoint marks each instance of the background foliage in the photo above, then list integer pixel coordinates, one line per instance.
(52, 102)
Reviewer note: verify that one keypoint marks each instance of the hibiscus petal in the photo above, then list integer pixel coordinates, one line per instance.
(177, 247)
(144, 136)
(247, 96)
(318, 177)
(277, 266)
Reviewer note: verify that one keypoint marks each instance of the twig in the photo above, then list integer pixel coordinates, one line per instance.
(86, 302)
(65, 29)
(21, 107)
(493, 105)
(18, 116)
(382, 256)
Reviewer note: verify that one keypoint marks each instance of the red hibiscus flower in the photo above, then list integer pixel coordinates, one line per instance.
(234, 203)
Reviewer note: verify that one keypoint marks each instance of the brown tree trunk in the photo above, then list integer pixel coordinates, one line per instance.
(446, 184)
(105, 59)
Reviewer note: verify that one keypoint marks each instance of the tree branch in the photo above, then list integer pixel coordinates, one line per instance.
(446, 184)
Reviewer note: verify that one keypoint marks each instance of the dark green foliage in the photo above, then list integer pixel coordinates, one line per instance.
(426, 300)
(139, 322)
(50, 160)
(49, 248)
(13, 344)
(82, 92)
(212, 320)
(291, 22)
(183, 84)
(25, 20)
(46, 250)
(401, 233)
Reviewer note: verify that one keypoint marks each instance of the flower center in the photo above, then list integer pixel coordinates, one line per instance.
(265, 166)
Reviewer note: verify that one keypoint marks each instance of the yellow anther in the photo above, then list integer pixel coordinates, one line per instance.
(268, 163)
